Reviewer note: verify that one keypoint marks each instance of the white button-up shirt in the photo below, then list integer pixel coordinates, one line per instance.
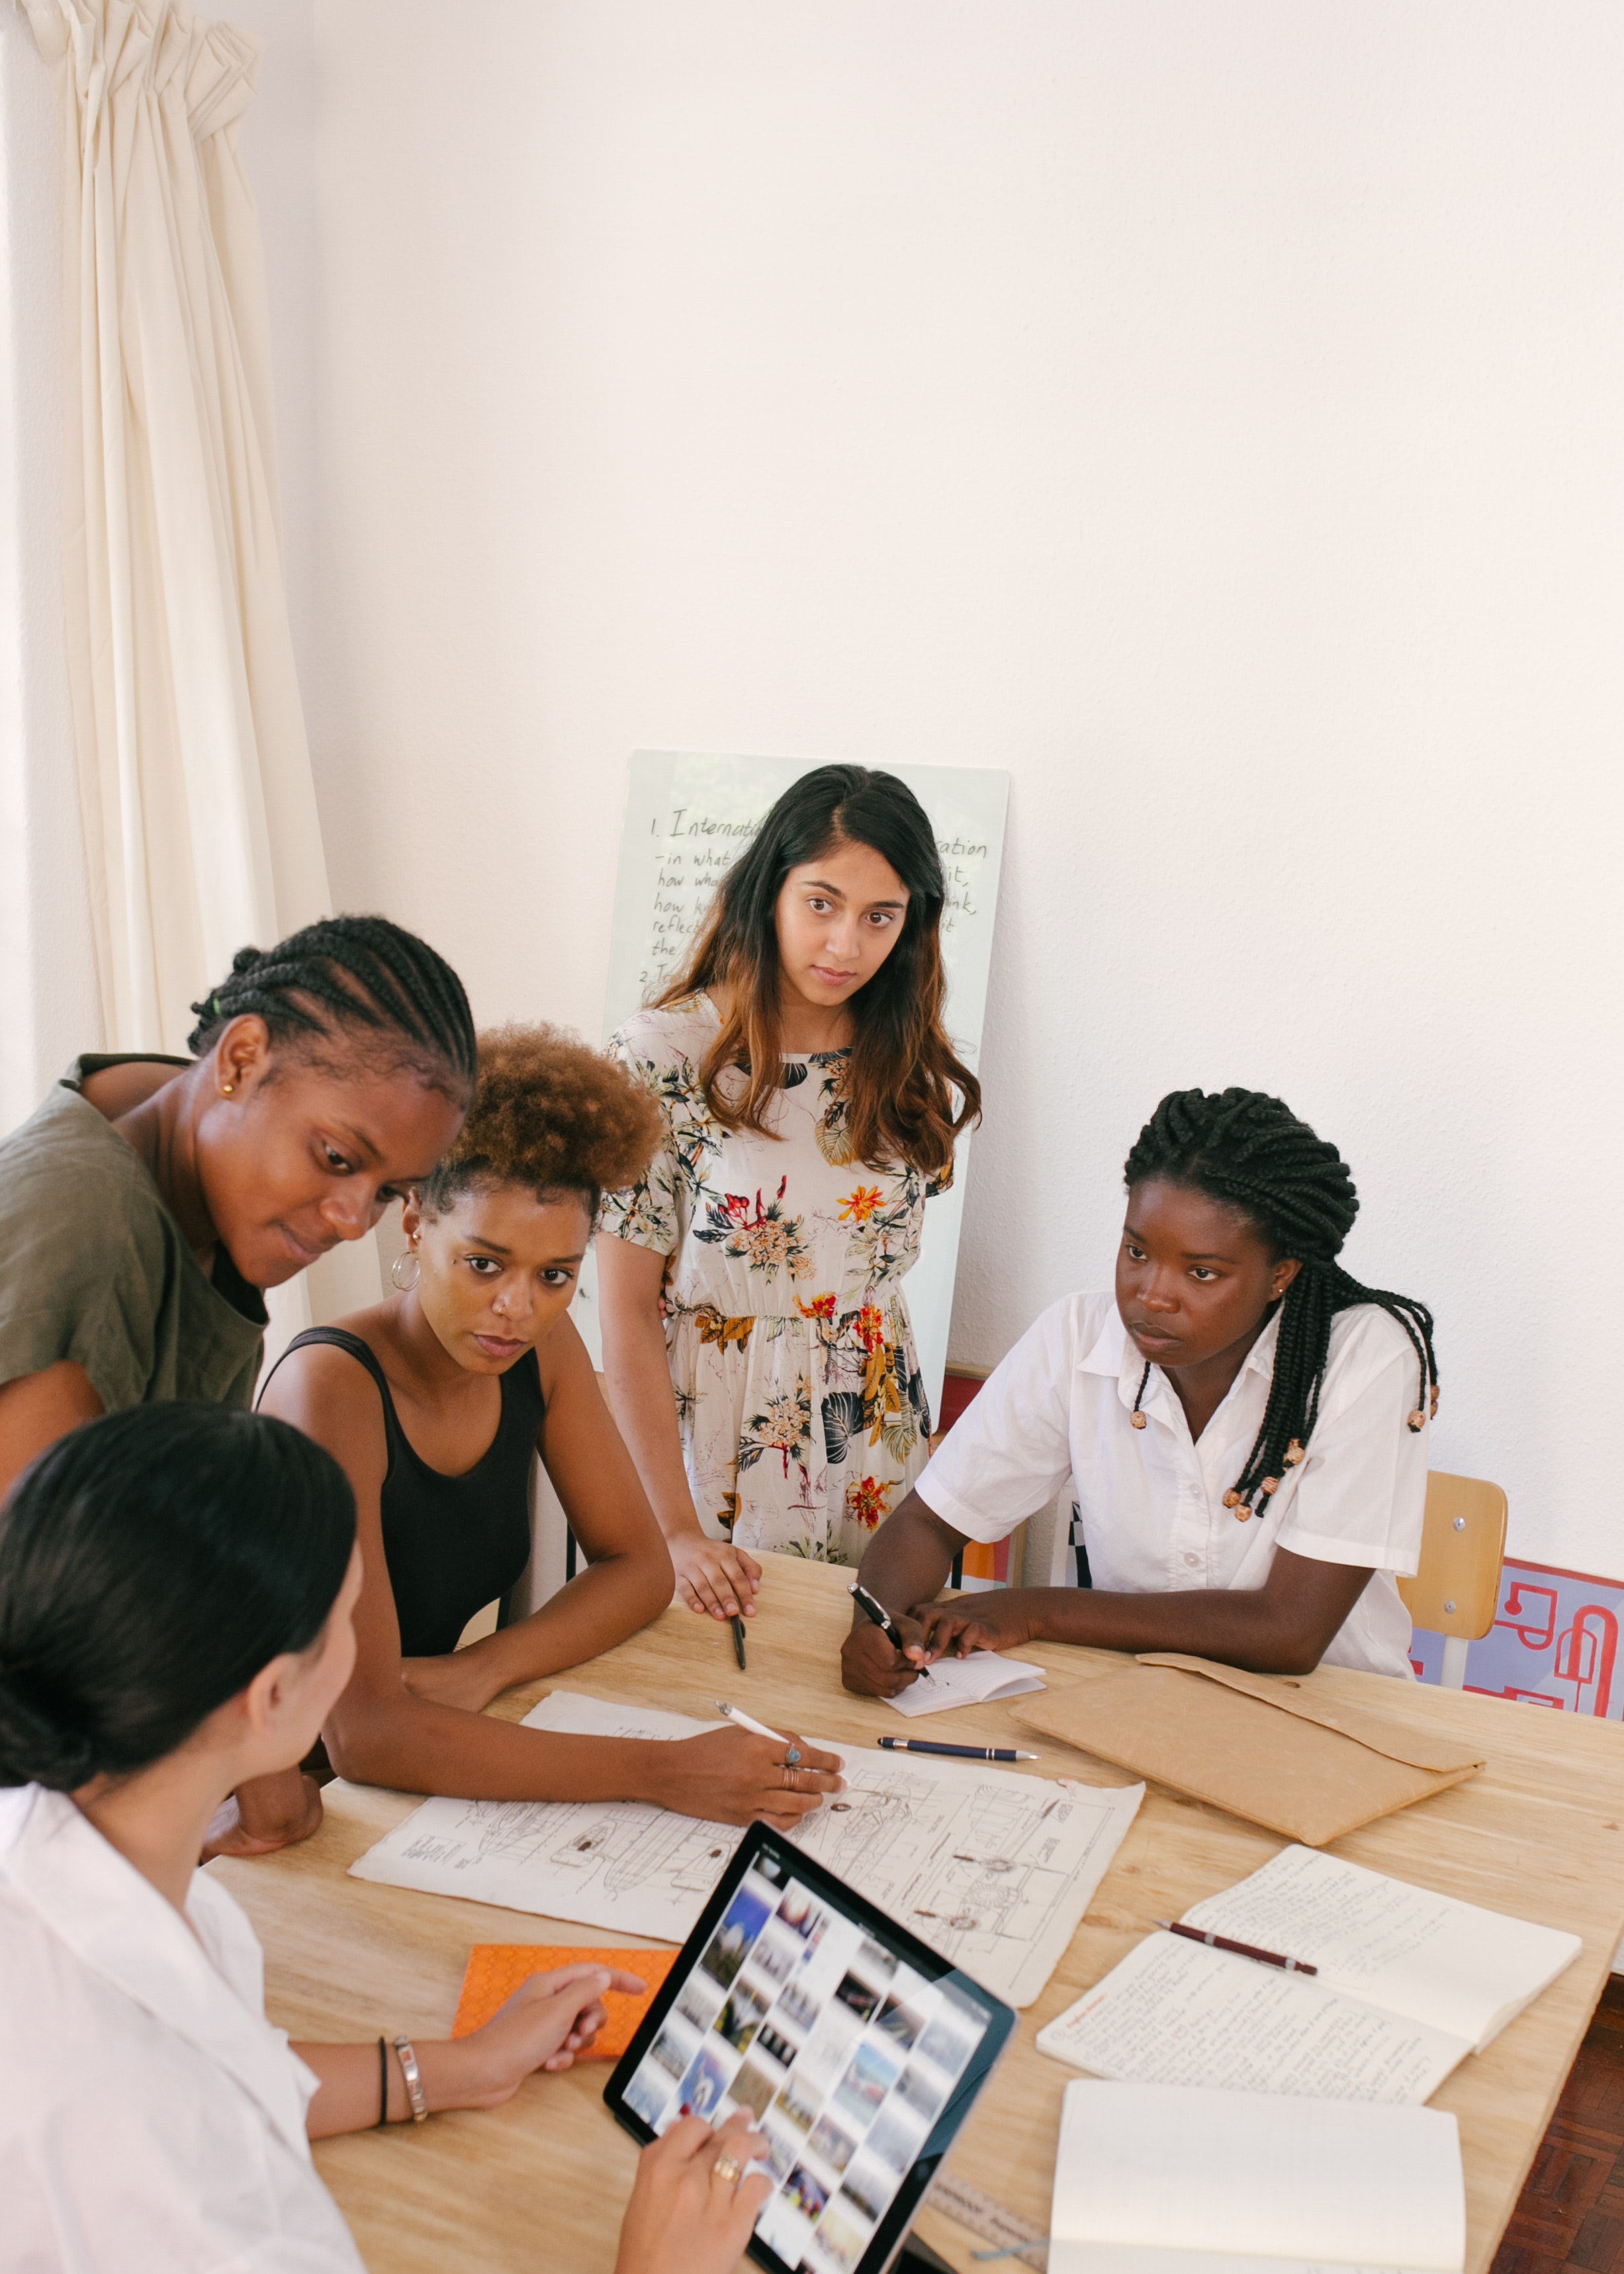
(151, 2119)
(1151, 1500)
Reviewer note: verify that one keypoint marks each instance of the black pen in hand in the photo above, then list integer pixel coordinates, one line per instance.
(873, 1608)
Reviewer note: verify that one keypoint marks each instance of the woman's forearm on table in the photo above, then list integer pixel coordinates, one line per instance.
(355, 2082)
(1282, 1627)
(412, 1744)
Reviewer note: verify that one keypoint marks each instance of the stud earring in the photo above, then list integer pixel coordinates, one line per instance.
(409, 1258)
(226, 1087)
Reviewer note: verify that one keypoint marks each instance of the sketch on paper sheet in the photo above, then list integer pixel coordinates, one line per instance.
(994, 1870)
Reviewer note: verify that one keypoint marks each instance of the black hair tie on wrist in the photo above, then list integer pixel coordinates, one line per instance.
(383, 2083)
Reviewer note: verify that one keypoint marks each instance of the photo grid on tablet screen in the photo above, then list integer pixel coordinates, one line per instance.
(843, 2056)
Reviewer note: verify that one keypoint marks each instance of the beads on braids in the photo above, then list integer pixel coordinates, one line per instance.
(1250, 1152)
(353, 971)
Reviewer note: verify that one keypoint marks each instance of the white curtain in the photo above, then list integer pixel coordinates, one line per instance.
(199, 812)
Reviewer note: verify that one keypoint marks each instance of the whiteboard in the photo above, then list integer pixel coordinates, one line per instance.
(689, 815)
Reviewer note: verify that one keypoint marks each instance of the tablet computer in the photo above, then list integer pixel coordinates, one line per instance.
(857, 2050)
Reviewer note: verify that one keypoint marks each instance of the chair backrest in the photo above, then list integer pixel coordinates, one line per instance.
(1463, 1546)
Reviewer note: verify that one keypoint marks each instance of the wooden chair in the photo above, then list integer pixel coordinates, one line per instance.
(1456, 1590)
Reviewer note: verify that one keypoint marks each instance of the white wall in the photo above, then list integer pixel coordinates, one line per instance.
(1211, 412)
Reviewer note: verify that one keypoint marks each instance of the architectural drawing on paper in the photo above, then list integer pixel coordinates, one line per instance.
(992, 1870)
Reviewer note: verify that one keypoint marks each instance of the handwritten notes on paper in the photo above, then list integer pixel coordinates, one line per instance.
(1406, 1948)
(1408, 1982)
(1179, 2013)
(995, 1870)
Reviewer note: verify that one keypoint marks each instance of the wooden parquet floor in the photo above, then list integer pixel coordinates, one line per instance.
(1570, 2219)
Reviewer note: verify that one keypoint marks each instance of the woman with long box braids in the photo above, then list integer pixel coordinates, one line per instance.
(1243, 1427)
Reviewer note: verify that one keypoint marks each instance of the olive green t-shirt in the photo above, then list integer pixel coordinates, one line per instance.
(94, 1267)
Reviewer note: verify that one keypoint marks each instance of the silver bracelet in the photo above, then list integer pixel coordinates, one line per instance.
(414, 2080)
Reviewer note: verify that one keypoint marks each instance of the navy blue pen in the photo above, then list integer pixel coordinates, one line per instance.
(956, 1752)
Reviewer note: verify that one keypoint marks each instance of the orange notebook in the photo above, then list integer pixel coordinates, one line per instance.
(495, 1970)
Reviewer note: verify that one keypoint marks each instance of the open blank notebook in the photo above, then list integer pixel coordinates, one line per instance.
(1171, 2180)
(978, 1679)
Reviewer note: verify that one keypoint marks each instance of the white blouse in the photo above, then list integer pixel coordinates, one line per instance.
(1058, 1409)
(151, 2119)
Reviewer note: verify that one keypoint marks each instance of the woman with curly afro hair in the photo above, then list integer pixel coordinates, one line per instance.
(434, 1402)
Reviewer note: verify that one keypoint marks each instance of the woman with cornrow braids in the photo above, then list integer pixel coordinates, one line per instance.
(150, 1201)
(1243, 1430)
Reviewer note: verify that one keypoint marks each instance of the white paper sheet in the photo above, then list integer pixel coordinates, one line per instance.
(1150, 2178)
(973, 1681)
(992, 1869)
(1440, 1960)
(1178, 2013)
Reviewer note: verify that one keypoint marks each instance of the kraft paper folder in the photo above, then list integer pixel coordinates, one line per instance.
(1275, 1750)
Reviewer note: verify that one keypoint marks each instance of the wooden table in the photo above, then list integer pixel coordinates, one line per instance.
(539, 2185)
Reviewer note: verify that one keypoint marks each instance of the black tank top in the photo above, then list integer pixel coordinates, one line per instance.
(453, 1544)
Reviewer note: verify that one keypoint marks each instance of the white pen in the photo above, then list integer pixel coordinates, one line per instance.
(744, 1721)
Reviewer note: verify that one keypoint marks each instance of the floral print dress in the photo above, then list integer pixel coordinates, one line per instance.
(800, 1403)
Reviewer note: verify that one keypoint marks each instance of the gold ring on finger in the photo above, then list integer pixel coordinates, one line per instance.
(729, 2170)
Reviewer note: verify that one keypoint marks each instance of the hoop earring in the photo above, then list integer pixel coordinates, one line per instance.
(409, 1257)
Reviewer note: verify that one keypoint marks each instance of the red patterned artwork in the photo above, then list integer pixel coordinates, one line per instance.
(1554, 1642)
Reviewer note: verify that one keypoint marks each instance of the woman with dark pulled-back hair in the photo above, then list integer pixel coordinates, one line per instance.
(756, 1340)
(176, 1590)
(149, 1201)
(1243, 1426)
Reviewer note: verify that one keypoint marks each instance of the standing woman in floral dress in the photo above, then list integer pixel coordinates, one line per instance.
(757, 1347)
